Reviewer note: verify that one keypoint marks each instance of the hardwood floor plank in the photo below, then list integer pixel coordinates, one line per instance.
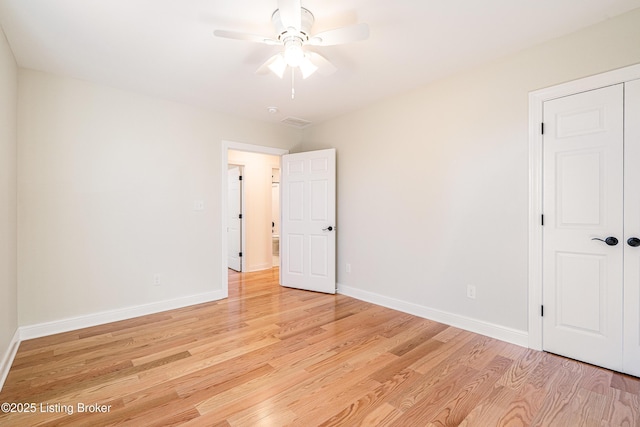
(332, 386)
(429, 332)
(623, 409)
(531, 394)
(403, 362)
(431, 360)
(491, 410)
(381, 416)
(518, 373)
(626, 383)
(562, 389)
(269, 355)
(434, 398)
(316, 411)
(356, 411)
(469, 396)
(251, 393)
(596, 379)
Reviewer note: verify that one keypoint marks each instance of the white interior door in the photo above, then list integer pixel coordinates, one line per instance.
(307, 227)
(582, 201)
(234, 220)
(632, 229)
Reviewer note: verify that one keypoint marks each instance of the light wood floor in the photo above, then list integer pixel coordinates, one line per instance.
(274, 356)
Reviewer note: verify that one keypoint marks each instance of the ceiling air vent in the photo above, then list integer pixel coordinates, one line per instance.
(295, 122)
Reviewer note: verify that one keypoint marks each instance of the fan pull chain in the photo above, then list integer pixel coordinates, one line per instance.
(293, 90)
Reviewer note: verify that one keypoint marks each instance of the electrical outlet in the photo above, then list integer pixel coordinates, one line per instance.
(156, 280)
(347, 268)
(471, 292)
(198, 205)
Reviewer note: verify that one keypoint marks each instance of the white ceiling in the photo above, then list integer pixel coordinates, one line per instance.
(166, 48)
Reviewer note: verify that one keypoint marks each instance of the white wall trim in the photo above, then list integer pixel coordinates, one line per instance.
(536, 100)
(94, 319)
(259, 267)
(502, 333)
(239, 146)
(7, 358)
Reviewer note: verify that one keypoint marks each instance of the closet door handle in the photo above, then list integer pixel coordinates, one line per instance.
(633, 241)
(611, 241)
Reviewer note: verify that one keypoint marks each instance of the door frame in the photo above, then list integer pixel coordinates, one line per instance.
(536, 101)
(239, 146)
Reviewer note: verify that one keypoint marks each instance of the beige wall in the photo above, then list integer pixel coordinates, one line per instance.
(107, 186)
(433, 184)
(8, 224)
(257, 209)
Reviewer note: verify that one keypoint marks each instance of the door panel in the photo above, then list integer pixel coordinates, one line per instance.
(576, 171)
(318, 249)
(580, 121)
(308, 209)
(319, 192)
(584, 275)
(294, 250)
(632, 229)
(234, 223)
(582, 200)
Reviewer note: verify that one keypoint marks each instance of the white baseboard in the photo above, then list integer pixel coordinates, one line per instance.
(94, 319)
(7, 358)
(258, 267)
(501, 333)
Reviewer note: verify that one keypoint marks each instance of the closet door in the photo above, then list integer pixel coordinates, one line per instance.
(583, 207)
(632, 229)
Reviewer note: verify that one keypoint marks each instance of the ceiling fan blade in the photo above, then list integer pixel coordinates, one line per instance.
(275, 64)
(290, 13)
(244, 36)
(324, 66)
(352, 33)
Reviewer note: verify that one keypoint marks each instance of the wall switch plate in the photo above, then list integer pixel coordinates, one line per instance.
(347, 268)
(471, 291)
(198, 205)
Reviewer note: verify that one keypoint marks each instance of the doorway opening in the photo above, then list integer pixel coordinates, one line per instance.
(259, 216)
(265, 240)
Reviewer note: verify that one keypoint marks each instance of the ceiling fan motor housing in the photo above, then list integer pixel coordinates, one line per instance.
(305, 26)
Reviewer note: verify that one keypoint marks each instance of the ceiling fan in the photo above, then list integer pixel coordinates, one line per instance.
(293, 31)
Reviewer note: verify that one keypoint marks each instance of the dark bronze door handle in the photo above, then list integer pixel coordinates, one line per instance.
(611, 241)
(633, 241)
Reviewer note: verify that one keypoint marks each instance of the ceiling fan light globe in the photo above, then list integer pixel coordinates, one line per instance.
(293, 53)
(278, 66)
(307, 67)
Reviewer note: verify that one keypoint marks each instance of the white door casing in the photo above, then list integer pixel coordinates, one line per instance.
(632, 229)
(234, 221)
(582, 201)
(225, 146)
(630, 78)
(307, 227)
